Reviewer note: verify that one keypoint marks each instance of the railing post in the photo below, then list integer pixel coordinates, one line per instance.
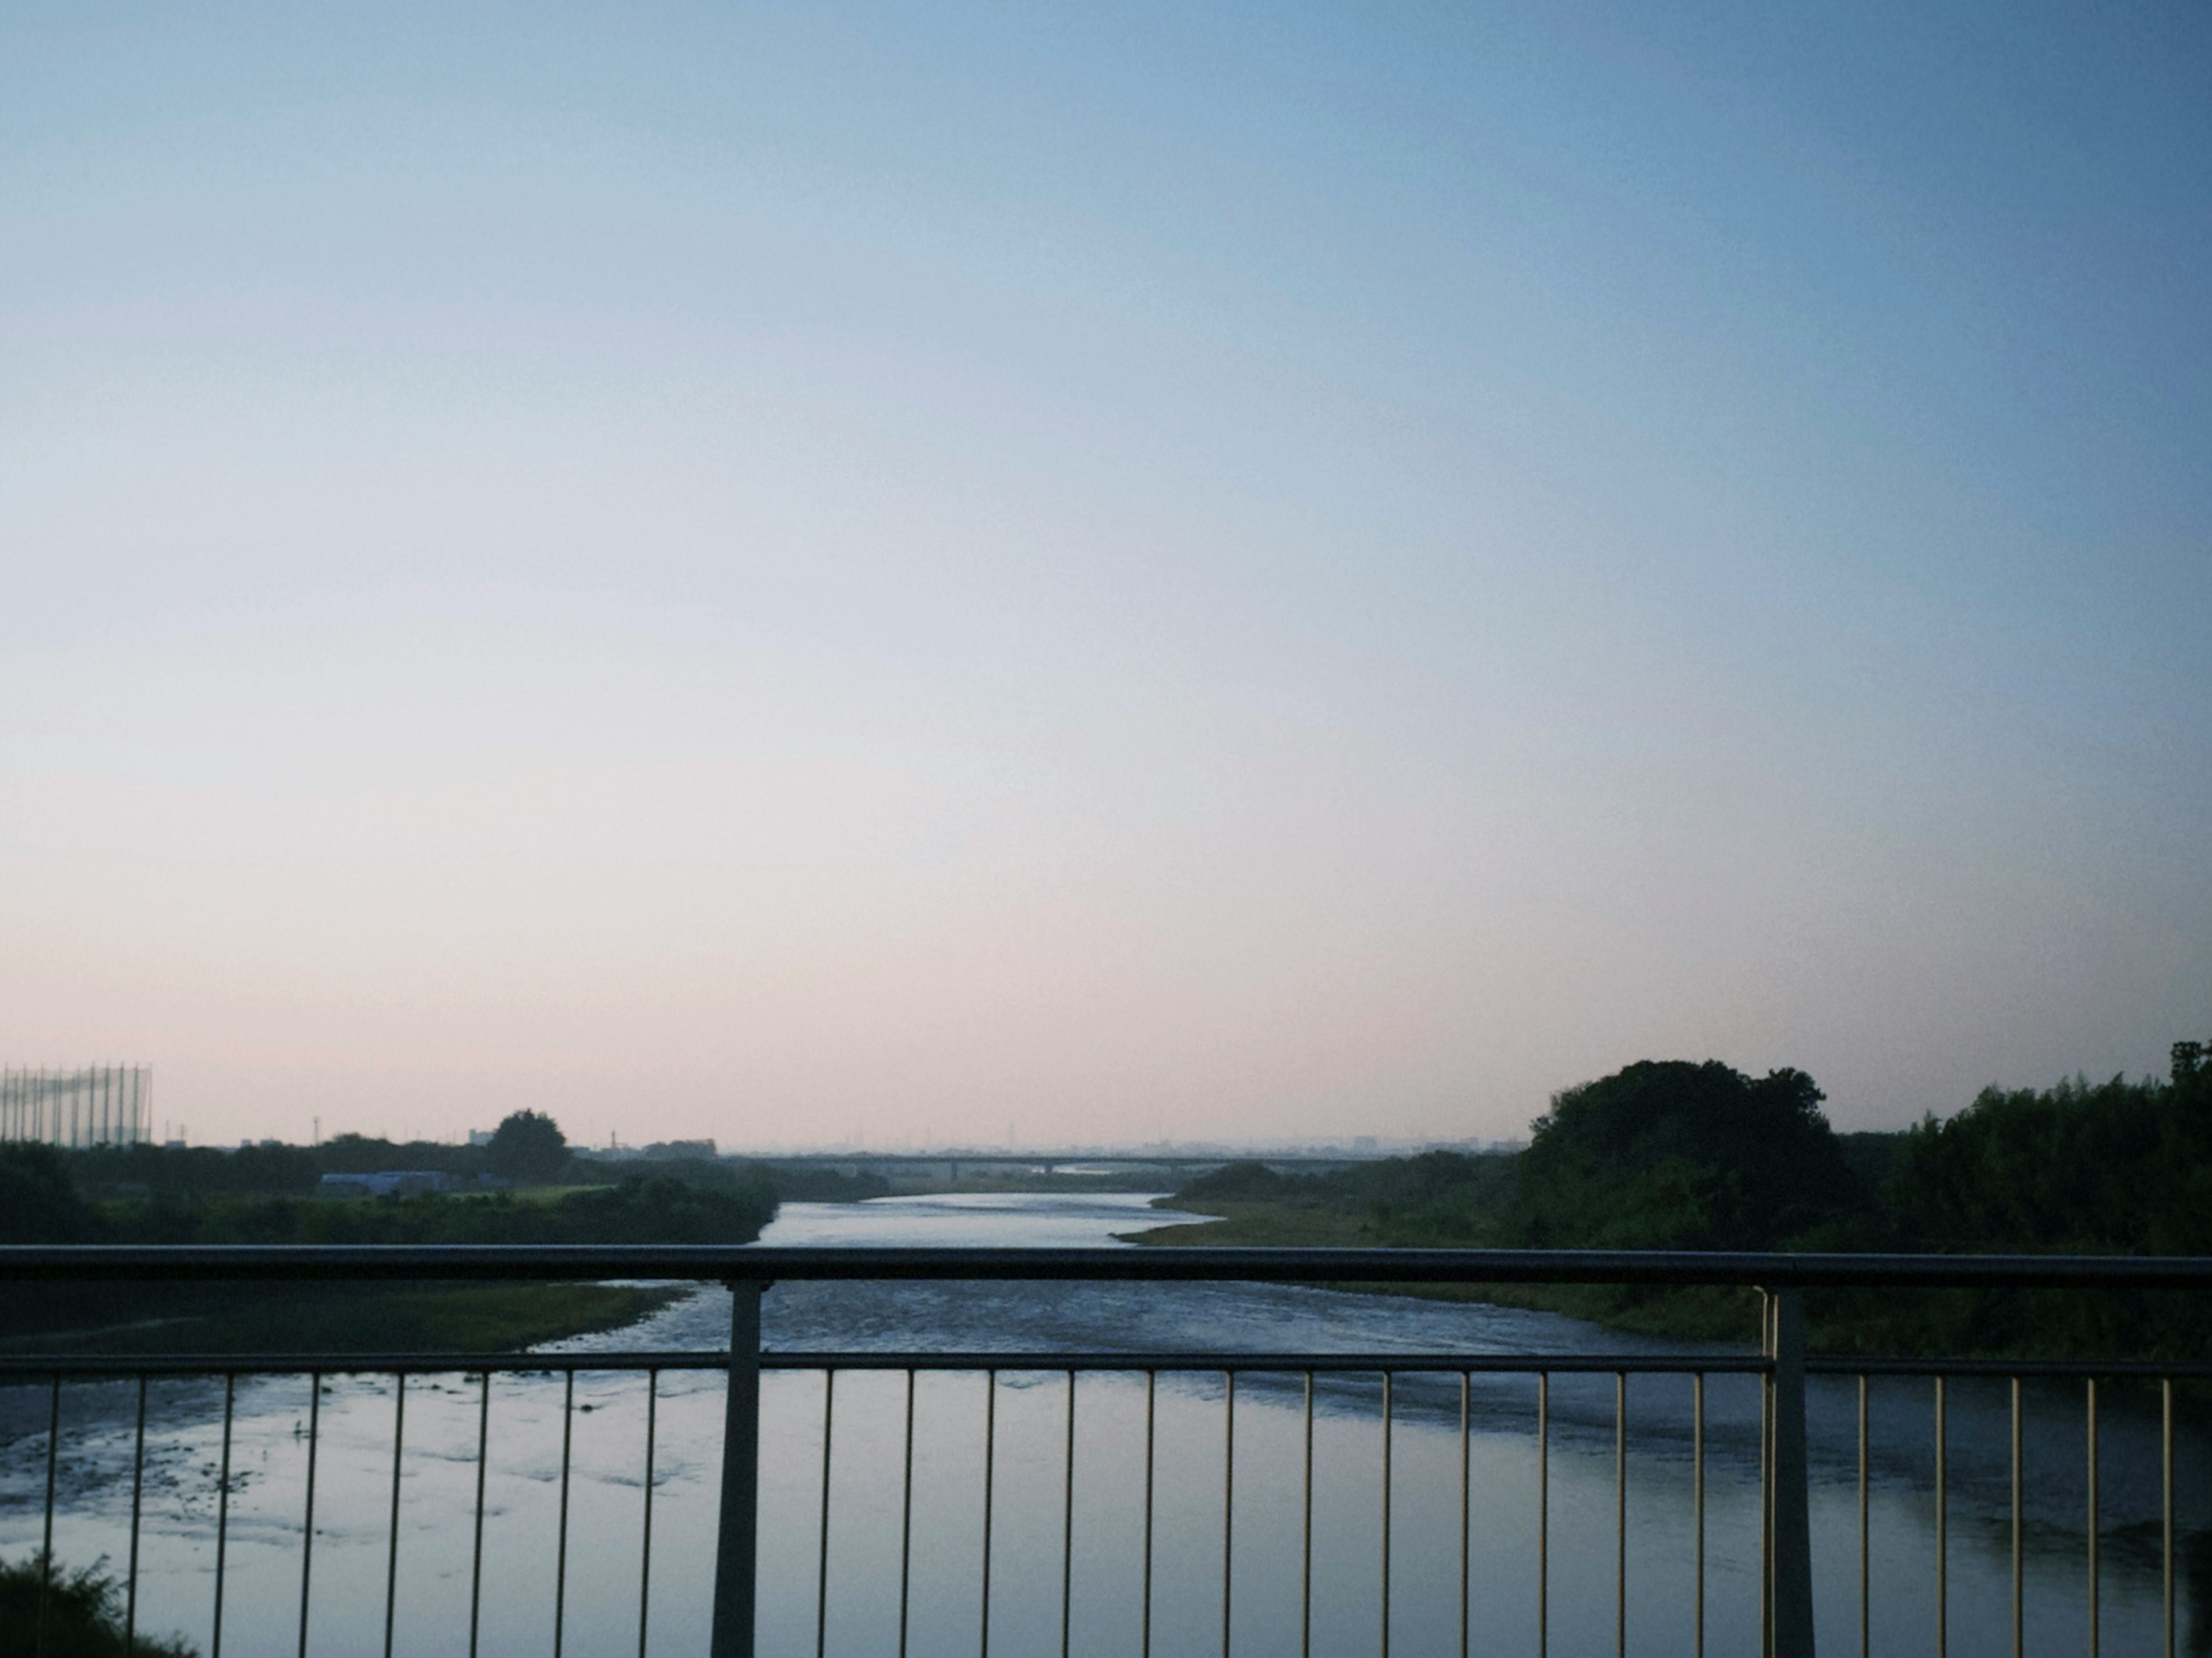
(1790, 1533)
(735, 1549)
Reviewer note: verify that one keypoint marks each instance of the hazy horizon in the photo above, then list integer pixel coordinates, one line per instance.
(1244, 573)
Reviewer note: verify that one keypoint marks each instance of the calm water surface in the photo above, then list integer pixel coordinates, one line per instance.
(612, 1604)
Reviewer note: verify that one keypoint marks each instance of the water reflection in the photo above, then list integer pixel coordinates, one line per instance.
(1032, 1516)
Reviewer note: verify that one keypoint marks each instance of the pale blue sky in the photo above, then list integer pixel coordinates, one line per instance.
(786, 571)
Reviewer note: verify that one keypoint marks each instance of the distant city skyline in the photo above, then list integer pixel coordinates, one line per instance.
(1226, 573)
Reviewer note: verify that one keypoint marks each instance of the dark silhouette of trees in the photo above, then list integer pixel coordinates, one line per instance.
(1672, 1155)
(2100, 1168)
(38, 1202)
(528, 1146)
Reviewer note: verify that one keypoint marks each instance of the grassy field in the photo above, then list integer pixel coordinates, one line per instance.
(349, 1318)
(1694, 1314)
(1259, 1225)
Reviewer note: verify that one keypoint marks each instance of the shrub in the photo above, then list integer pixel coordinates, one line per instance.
(82, 1614)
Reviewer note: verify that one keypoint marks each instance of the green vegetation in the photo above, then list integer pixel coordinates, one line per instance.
(69, 1614)
(39, 1203)
(202, 1171)
(1678, 1156)
(1674, 1156)
(637, 1211)
(533, 1155)
(323, 1318)
(1439, 1199)
(529, 1147)
(2104, 1168)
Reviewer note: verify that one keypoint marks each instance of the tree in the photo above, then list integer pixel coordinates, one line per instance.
(2189, 1063)
(529, 1146)
(1671, 1154)
(39, 1204)
(2084, 1166)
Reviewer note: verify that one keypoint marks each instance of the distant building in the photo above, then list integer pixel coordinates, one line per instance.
(404, 1183)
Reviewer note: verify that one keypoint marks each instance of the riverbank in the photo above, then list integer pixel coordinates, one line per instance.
(39, 1205)
(1987, 1324)
(1694, 1314)
(332, 1318)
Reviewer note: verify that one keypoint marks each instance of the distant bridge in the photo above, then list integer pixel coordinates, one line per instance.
(1178, 1166)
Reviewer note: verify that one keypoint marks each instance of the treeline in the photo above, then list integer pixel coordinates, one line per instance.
(539, 1192)
(528, 1147)
(263, 1194)
(533, 1190)
(1671, 1154)
(129, 1173)
(40, 1204)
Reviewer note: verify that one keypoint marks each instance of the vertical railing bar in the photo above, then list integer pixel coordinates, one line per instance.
(1386, 1514)
(476, 1546)
(1228, 1500)
(905, 1517)
(990, 1467)
(1942, 1526)
(1790, 1479)
(561, 1543)
(1466, 1539)
(46, 1547)
(1766, 1482)
(308, 1523)
(645, 1544)
(2166, 1504)
(1865, 1571)
(222, 1510)
(1305, 1533)
(2018, 1562)
(822, 1565)
(391, 1560)
(1543, 1513)
(1620, 1514)
(1698, 1509)
(1152, 1388)
(1068, 1521)
(137, 1498)
(737, 1537)
(2093, 1521)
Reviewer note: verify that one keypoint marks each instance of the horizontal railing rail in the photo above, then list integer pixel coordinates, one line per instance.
(96, 1366)
(754, 1263)
(38, 1367)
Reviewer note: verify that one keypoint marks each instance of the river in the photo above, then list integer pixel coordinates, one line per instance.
(261, 1571)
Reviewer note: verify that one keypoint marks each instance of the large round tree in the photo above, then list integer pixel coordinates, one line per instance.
(1673, 1155)
(529, 1146)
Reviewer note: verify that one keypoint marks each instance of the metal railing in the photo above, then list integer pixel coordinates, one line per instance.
(1779, 1368)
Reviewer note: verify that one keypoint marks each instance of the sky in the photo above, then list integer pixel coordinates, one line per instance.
(921, 574)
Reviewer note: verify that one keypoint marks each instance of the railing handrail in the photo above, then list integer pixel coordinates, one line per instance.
(1023, 1360)
(763, 1264)
(18, 1367)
